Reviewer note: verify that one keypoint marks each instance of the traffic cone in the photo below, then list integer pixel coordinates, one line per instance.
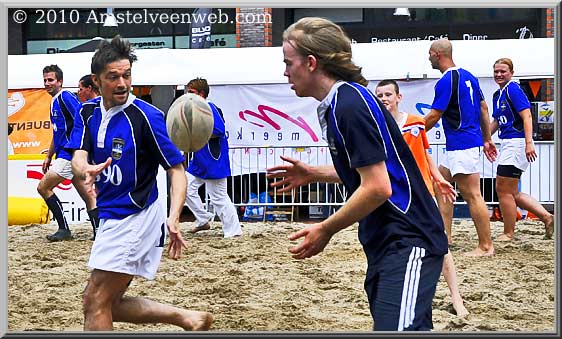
(532, 216)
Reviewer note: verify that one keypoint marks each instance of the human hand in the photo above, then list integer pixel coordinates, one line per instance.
(177, 243)
(90, 174)
(315, 240)
(448, 192)
(490, 151)
(46, 164)
(530, 152)
(294, 175)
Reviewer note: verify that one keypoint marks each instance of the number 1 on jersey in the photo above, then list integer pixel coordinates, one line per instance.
(469, 85)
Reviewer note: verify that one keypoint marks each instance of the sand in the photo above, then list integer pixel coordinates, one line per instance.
(251, 283)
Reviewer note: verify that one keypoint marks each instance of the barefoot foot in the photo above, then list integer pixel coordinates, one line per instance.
(504, 237)
(477, 252)
(197, 321)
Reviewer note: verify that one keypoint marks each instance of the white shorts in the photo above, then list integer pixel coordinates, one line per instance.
(512, 152)
(132, 245)
(466, 161)
(62, 167)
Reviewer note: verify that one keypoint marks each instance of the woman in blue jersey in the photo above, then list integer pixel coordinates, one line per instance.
(512, 116)
(400, 227)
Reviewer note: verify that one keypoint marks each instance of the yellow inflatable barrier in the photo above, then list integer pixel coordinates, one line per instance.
(23, 211)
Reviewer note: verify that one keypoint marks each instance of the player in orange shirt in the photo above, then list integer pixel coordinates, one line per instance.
(413, 130)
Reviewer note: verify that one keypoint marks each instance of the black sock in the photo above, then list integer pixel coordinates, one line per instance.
(55, 206)
(94, 219)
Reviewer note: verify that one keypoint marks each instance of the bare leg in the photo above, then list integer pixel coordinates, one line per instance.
(507, 189)
(446, 208)
(450, 275)
(528, 203)
(139, 310)
(469, 185)
(49, 181)
(104, 303)
(82, 190)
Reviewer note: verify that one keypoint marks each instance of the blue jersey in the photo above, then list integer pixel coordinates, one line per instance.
(361, 132)
(508, 102)
(458, 96)
(64, 106)
(212, 161)
(134, 136)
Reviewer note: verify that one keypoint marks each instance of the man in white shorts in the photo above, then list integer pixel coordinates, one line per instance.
(64, 106)
(460, 102)
(126, 141)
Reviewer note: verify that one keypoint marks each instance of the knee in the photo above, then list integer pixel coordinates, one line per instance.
(503, 189)
(93, 299)
(42, 189)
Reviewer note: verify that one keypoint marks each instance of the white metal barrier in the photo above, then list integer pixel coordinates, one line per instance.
(249, 166)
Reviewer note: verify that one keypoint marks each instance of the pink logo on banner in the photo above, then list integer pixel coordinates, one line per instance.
(265, 118)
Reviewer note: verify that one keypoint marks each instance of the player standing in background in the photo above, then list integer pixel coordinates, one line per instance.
(210, 166)
(413, 130)
(64, 106)
(460, 102)
(512, 116)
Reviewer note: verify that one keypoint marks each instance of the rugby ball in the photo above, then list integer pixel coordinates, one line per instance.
(190, 122)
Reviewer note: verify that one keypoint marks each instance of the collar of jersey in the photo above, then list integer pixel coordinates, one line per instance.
(449, 69)
(116, 109)
(55, 98)
(106, 116)
(503, 90)
(323, 107)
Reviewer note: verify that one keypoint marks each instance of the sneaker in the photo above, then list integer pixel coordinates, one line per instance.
(60, 235)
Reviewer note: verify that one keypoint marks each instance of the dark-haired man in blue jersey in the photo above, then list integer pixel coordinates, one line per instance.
(400, 227)
(126, 140)
(64, 106)
(459, 100)
(211, 166)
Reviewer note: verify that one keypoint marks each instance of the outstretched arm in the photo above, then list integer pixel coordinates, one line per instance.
(297, 173)
(373, 191)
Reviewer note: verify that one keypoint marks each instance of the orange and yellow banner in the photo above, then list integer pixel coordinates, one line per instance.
(28, 114)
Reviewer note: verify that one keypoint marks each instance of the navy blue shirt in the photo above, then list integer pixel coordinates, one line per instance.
(64, 106)
(458, 96)
(508, 102)
(361, 132)
(212, 161)
(134, 136)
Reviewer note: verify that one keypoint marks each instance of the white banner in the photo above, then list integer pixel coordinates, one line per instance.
(272, 115)
(259, 116)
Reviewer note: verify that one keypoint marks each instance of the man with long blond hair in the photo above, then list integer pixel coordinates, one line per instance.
(400, 227)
